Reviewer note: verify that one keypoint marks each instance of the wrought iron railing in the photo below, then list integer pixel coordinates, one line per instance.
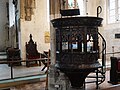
(19, 61)
(103, 52)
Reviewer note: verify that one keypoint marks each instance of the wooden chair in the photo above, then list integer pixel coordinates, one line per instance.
(32, 53)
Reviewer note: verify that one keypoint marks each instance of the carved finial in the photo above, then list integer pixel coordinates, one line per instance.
(31, 41)
(30, 36)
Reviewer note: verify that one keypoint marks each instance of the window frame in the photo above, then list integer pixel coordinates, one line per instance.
(75, 6)
(82, 11)
(116, 15)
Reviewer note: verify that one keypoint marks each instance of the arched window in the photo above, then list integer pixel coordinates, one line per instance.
(113, 11)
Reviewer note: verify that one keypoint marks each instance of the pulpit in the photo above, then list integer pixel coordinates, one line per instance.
(77, 48)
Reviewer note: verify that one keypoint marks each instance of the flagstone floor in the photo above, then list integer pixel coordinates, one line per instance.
(41, 85)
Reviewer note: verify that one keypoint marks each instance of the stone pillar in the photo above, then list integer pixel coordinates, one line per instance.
(56, 79)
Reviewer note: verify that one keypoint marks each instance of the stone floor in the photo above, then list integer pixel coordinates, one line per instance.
(23, 70)
(41, 86)
(19, 71)
(30, 86)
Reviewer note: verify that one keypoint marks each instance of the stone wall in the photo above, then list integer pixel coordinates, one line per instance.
(37, 26)
(3, 25)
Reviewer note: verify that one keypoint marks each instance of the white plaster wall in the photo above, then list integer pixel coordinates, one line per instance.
(3, 26)
(91, 7)
(109, 31)
(37, 27)
(40, 24)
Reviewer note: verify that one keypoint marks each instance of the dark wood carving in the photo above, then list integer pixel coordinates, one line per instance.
(13, 54)
(77, 47)
(115, 70)
(31, 52)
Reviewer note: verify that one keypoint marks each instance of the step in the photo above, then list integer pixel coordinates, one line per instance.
(2, 53)
(22, 80)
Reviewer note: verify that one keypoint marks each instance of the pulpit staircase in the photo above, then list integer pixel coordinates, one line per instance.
(99, 74)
